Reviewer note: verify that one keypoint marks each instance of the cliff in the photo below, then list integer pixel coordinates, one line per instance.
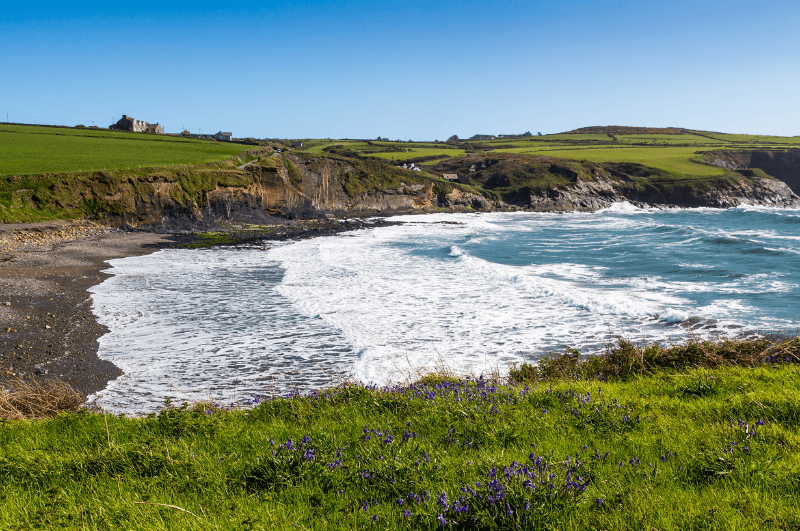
(783, 165)
(284, 185)
(546, 184)
(302, 185)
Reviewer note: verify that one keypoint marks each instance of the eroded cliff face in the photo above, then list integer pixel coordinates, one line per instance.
(783, 165)
(294, 187)
(306, 186)
(298, 187)
(550, 184)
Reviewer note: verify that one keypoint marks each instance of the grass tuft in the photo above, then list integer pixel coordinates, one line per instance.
(626, 358)
(25, 398)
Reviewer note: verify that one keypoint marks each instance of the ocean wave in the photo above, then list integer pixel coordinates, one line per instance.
(473, 291)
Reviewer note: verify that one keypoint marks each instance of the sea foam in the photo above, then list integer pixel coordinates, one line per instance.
(473, 292)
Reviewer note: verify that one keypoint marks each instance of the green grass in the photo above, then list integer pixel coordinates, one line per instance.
(708, 448)
(656, 139)
(675, 153)
(756, 139)
(417, 152)
(27, 150)
(678, 160)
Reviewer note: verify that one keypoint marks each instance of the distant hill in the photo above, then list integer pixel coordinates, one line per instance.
(627, 130)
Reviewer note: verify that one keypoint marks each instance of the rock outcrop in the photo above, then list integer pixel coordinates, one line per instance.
(783, 165)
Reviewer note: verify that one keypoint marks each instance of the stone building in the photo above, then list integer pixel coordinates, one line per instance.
(129, 123)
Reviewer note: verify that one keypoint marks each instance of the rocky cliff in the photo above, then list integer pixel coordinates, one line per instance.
(547, 184)
(783, 165)
(287, 185)
(300, 185)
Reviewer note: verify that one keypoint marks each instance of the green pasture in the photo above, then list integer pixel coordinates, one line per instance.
(667, 139)
(680, 160)
(29, 150)
(675, 153)
(413, 153)
(757, 139)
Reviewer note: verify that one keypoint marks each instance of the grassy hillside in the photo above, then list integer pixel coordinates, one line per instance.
(53, 172)
(672, 150)
(31, 150)
(699, 436)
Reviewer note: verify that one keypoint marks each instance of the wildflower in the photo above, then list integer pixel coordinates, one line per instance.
(598, 501)
(442, 501)
(375, 519)
(442, 520)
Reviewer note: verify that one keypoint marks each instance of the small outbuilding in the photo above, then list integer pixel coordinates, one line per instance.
(450, 177)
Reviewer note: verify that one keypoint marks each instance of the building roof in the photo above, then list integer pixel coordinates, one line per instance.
(450, 176)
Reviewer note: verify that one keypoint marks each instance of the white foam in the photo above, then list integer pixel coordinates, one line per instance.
(383, 302)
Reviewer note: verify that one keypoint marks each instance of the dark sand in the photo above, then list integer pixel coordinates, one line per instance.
(48, 327)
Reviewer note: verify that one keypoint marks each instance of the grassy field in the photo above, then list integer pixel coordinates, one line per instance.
(639, 448)
(671, 150)
(679, 160)
(30, 150)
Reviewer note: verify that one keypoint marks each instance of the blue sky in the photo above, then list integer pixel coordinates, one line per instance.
(411, 69)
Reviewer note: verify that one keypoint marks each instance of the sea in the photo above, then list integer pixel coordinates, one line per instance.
(465, 293)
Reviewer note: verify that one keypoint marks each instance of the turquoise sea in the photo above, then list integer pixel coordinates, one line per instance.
(471, 292)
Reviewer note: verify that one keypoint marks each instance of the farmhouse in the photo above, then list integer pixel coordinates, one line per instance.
(129, 123)
(223, 137)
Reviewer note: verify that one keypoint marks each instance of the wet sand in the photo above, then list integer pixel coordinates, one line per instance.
(47, 329)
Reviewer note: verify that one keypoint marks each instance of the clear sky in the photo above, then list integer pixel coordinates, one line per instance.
(404, 69)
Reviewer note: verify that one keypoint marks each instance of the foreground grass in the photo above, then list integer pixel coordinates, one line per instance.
(686, 449)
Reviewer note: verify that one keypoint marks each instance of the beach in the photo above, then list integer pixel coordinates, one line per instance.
(47, 323)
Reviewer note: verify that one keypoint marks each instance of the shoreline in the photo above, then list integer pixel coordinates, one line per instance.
(48, 329)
